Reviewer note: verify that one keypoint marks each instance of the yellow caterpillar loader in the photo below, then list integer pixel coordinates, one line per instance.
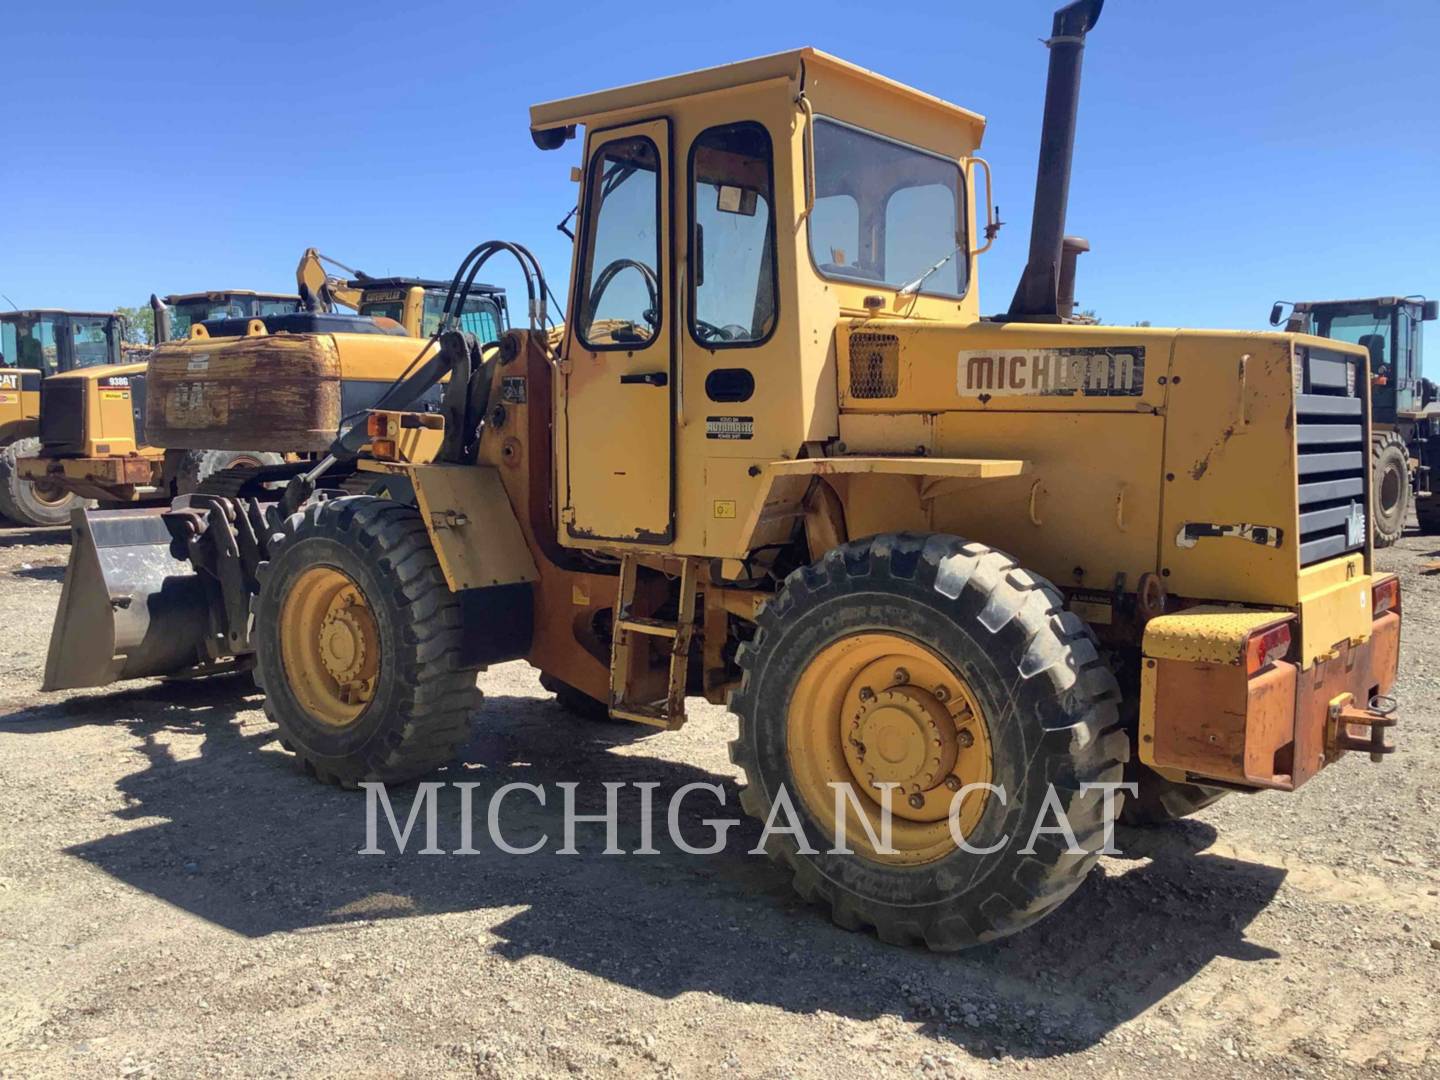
(968, 569)
(35, 347)
(94, 440)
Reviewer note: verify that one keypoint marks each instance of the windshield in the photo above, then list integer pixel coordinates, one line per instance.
(481, 317)
(29, 343)
(185, 313)
(886, 213)
(1370, 329)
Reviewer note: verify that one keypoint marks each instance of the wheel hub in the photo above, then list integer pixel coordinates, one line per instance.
(342, 643)
(906, 737)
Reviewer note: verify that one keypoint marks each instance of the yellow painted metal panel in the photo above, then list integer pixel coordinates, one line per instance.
(472, 525)
(1206, 634)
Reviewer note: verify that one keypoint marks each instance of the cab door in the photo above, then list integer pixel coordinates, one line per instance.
(620, 343)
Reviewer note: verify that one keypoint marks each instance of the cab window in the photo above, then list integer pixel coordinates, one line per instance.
(480, 317)
(732, 241)
(620, 304)
(89, 342)
(29, 343)
(887, 213)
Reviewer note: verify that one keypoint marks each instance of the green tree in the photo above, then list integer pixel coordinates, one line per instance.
(139, 324)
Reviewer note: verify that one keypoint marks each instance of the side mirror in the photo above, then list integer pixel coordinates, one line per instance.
(1430, 310)
(1277, 313)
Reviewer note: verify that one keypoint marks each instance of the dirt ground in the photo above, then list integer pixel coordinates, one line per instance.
(176, 900)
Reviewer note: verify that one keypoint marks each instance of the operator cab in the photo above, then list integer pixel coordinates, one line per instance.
(420, 303)
(51, 341)
(174, 315)
(729, 220)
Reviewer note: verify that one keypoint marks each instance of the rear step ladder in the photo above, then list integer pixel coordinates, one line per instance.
(626, 650)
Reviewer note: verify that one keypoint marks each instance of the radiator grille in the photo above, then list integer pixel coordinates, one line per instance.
(874, 365)
(62, 413)
(1332, 455)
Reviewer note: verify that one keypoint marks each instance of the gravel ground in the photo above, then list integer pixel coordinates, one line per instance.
(175, 900)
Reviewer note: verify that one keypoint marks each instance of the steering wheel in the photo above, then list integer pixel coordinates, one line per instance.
(730, 332)
(611, 271)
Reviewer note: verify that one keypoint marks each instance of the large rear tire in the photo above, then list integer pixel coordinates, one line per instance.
(197, 466)
(934, 663)
(358, 644)
(1390, 486)
(27, 503)
(1158, 801)
(1427, 512)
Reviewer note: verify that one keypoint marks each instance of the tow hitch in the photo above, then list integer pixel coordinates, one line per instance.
(1356, 728)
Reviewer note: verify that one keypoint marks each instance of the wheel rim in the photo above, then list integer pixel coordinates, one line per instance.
(48, 494)
(330, 646)
(878, 708)
(1390, 490)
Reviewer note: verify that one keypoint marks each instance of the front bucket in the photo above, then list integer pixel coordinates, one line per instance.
(129, 609)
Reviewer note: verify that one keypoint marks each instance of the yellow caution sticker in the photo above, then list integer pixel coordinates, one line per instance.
(724, 508)
(580, 593)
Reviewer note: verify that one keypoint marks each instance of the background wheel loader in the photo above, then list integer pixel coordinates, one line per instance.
(94, 440)
(780, 458)
(35, 346)
(1405, 405)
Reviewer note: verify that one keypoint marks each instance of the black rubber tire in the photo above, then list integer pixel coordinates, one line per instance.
(1028, 661)
(197, 466)
(1389, 485)
(1427, 512)
(18, 501)
(425, 694)
(574, 701)
(1159, 801)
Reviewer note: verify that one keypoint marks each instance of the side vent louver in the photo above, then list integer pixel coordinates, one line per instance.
(874, 365)
(1332, 455)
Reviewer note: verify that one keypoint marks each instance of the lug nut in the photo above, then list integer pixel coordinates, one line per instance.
(942, 694)
(866, 694)
(965, 739)
(952, 783)
(901, 676)
(916, 801)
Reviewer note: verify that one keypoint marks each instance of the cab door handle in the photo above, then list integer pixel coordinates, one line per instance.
(649, 378)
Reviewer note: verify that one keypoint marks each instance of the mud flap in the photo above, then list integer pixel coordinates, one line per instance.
(129, 609)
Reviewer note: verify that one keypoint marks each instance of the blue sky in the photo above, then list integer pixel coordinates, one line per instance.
(1229, 152)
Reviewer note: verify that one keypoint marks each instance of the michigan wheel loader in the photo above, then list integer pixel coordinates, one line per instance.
(1406, 412)
(972, 569)
(98, 441)
(35, 347)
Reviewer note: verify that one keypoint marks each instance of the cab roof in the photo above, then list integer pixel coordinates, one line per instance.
(31, 313)
(429, 284)
(216, 294)
(551, 121)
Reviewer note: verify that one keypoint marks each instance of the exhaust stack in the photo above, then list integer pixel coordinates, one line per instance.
(1037, 297)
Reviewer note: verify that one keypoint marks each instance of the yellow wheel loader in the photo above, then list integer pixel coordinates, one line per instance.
(35, 348)
(95, 443)
(960, 573)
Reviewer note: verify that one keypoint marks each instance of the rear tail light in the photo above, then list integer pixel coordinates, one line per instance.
(1385, 596)
(1267, 646)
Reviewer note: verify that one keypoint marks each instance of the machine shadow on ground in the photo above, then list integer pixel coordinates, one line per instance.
(248, 844)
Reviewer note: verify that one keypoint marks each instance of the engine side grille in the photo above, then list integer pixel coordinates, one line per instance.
(1332, 455)
(62, 414)
(874, 365)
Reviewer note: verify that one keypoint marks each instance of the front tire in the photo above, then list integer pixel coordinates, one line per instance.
(358, 644)
(881, 657)
(27, 503)
(1390, 486)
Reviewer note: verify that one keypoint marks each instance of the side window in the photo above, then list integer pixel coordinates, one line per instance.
(8, 345)
(89, 342)
(620, 306)
(835, 233)
(478, 318)
(733, 291)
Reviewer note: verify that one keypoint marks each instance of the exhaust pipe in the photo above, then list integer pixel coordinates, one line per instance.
(1037, 297)
(162, 319)
(1072, 248)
